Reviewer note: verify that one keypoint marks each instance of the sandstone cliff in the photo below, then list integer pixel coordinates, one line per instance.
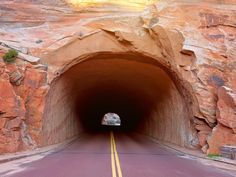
(194, 40)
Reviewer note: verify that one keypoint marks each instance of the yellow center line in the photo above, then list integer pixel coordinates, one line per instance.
(112, 159)
(117, 157)
(115, 162)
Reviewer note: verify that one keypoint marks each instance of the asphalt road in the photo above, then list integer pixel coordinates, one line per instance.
(114, 155)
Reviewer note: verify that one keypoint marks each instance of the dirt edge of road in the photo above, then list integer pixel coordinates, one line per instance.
(47, 150)
(219, 162)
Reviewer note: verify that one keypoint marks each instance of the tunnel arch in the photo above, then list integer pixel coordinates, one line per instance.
(90, 99)
(66, 119)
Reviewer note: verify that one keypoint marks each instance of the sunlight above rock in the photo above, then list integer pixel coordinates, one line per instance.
(127, 3)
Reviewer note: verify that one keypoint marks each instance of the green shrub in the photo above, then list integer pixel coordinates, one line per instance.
(213, 156)
(10, 56)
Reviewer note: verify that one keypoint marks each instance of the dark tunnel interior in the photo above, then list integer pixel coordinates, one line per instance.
(130, 106)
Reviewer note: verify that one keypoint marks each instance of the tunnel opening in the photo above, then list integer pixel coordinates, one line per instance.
(111, 119)
(143, 94)
(112, 97)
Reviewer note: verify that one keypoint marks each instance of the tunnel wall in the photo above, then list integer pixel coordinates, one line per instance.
(60, 121)
(169, 121)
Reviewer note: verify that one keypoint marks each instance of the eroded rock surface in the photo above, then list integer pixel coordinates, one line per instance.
(22, 92)
(194, 40)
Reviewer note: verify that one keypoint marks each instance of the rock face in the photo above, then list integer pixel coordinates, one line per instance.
(226, 107)
(224, 133)
(221, 135)
(22, 92)
(210, 34)
(193, 41)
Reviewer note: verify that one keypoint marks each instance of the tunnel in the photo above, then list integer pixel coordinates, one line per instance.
(144, 95)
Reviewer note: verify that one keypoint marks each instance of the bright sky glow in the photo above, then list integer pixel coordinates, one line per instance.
(128, 3)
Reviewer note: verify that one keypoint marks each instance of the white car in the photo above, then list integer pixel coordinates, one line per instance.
(111, 119)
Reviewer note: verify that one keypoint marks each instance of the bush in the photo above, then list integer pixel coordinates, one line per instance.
(213, 156)
(10, 56)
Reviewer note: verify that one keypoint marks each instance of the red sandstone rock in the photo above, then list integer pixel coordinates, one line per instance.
(14, 124)
(3, 123)
(206, 62)
(10, 104)
(220, 136)
(202, 137)
(199, 122)
(12, 113)
(35, 78)
(205, 148)
(203, 127)
(226, 105)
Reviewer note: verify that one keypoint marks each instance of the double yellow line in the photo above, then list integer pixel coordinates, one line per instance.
(115, 162)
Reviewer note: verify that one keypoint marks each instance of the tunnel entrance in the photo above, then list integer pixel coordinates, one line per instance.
(142, 94)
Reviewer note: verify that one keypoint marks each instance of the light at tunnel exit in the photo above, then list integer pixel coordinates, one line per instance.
(111, 119)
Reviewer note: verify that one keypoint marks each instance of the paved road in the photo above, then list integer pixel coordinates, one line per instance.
(113, 155)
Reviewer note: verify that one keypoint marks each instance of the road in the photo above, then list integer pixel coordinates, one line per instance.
(113, 155)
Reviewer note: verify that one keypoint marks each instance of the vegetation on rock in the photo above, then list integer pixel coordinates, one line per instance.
(10, 56)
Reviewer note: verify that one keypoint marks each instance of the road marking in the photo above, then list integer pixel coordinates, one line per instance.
(115, 162)
(112, 159)
(116, 157)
